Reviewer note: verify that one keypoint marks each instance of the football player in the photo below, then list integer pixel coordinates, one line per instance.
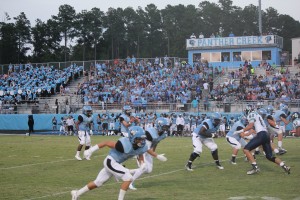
(280, 116)
(83, 126)
(203, 135)
(122, 150)
(262, 137)
(235, 140)
(153, 136)
(126, 120)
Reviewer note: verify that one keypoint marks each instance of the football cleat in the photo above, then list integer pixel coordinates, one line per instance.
(220, 166)
(282, 151)
(188, 167)
(256, 152)
(131, 186)
(78, 157)
(232, 162)
(253, 171)
(74, 195)
(287, 169)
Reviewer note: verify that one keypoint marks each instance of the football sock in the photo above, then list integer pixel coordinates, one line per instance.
(121, 194)
(82, 190)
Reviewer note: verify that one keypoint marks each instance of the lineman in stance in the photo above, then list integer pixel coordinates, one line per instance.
(83, 126)
(122, 150)
(204, 134)
(153, 137)
(262, 137)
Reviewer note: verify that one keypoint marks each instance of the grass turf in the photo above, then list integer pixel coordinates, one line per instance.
(44, 167)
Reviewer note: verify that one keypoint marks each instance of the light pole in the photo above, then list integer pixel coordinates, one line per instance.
(259, 17)
(168, 46)
(95, 56)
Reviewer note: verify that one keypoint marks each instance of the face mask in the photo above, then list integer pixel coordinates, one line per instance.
(140, 142)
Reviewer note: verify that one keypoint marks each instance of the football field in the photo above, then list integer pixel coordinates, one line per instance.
(44, 167)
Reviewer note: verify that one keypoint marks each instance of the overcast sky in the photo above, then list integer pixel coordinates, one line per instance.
(43, 9)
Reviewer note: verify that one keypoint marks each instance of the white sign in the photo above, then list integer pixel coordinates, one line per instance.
(230, 41)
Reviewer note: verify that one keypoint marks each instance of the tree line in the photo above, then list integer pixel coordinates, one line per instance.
(145, 32)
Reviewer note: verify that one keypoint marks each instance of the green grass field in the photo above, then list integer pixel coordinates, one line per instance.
(44, 167)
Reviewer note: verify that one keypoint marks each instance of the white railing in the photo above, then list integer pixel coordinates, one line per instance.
(159, 107)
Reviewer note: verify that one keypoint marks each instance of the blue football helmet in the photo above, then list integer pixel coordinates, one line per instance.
(137, 136)
(161, 125)
(127, 110)
(243, 119)
(262, 112)
(216, 118)
(87, 110)
(283, 108)
(270, 109)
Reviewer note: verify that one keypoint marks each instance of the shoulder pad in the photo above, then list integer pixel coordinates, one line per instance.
(127, 146)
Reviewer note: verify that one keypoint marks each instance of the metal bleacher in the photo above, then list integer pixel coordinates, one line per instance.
(46, 105)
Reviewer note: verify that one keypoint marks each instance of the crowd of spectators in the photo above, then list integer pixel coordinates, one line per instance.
(244, 84)
(26, 83)
(140, 83)
(143, 82)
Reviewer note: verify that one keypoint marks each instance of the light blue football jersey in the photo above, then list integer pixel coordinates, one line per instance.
(129, 152)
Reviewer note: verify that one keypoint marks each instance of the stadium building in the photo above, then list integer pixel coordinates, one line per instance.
(234, 51)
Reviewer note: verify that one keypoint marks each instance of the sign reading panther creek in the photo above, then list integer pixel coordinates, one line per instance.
(230, 41)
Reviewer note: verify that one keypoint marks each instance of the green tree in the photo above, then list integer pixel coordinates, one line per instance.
(210, 14)
(8, 43)
(249, 19)
(46, 41)
(115, 32)
(65, 21)
(89, 27)
(23, 28)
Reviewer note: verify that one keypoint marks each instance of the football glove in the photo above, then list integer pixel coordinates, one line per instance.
(91, 132)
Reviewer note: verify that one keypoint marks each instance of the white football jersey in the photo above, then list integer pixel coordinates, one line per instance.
(296, 123)
(259, 123)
